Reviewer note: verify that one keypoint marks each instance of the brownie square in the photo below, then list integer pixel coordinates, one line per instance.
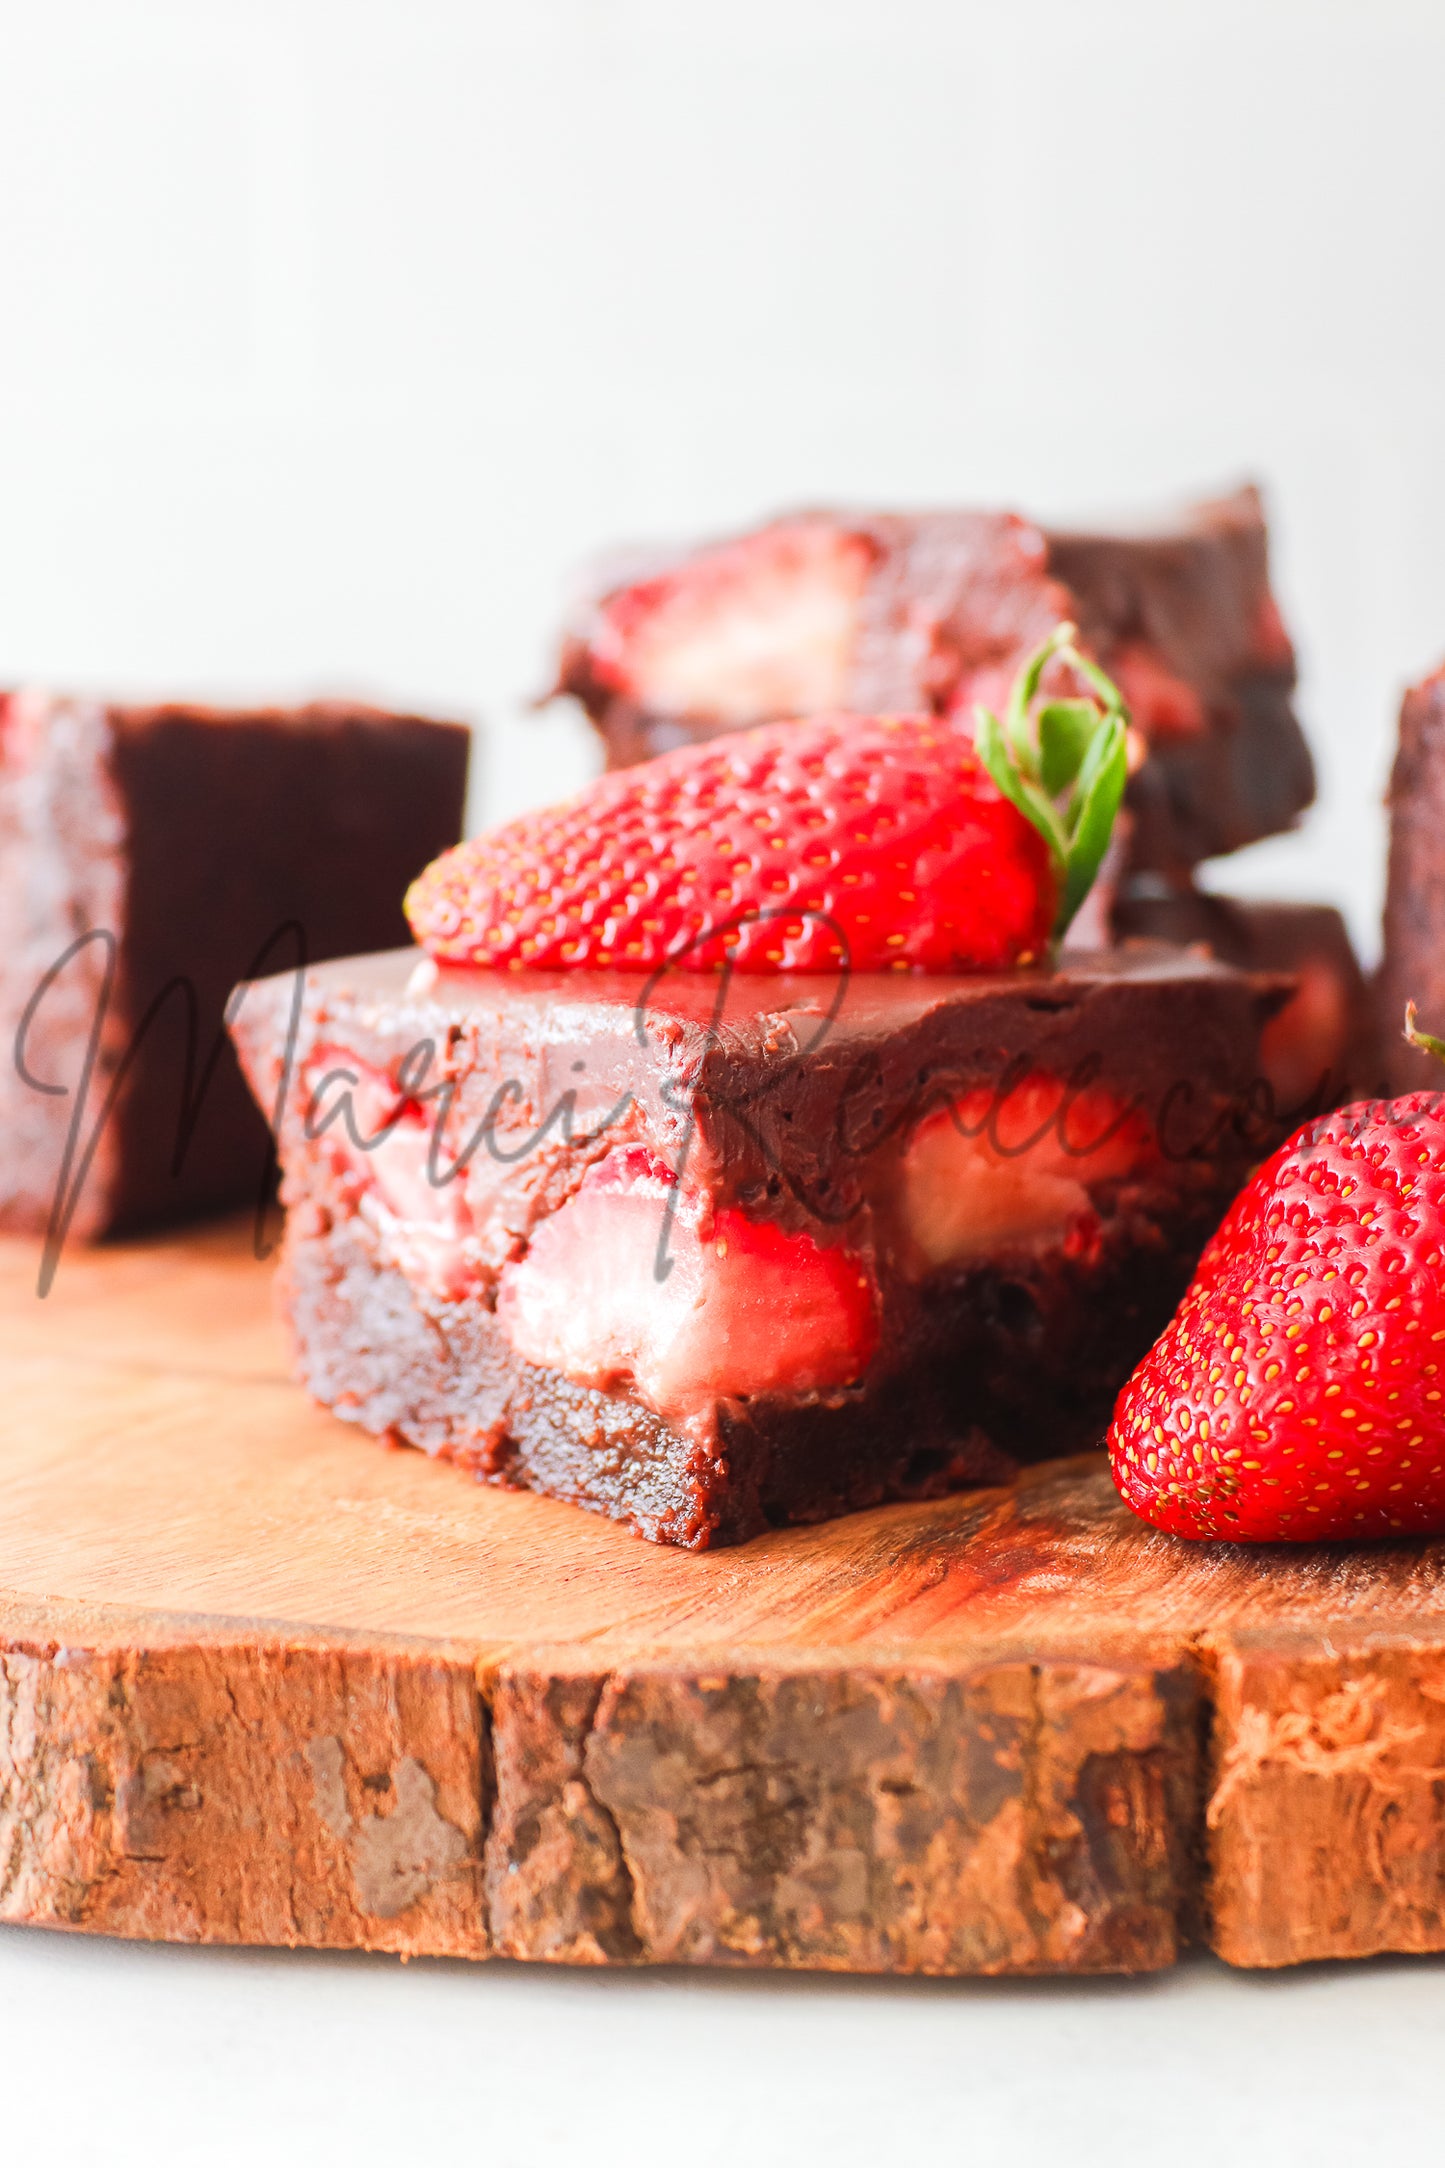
(149, 857)
(714, 1255)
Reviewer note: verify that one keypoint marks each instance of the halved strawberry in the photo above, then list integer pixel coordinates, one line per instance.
(742, 1308)
(1300, 1391)
(1016, 1174)
(754, 629)
(381, 1143)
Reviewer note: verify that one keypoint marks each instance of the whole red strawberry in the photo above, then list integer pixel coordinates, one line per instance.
(1298, 1393)
(876, 842)
(879, 841)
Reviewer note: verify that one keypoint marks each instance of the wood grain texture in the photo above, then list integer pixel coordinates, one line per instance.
(262, 1680)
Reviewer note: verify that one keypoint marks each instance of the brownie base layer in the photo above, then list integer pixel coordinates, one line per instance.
(1003, 1367)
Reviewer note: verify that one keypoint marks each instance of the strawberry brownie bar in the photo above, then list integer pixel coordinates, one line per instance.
(1318, 1050)
(713, 1254)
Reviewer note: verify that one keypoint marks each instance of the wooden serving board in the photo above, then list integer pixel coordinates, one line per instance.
(264, 1680)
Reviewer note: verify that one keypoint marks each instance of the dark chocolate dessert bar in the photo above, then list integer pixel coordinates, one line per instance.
(150, 856)
(1413, 968)
(932, 611)
(1317, 1051)
(711, 1254)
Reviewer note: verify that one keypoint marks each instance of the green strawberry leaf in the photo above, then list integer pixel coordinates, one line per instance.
(1425, 1040)
(997, 757)
(1097, 798)
(1065, 729)
(1065, 767)
(1107, 732)
(1022, 695)
(994, 751)
(1102, 683)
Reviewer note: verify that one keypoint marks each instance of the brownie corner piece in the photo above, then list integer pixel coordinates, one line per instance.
(714, 1275)
(151, 856)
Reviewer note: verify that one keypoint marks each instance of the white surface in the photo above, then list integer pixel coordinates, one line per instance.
(132, 2056)
(334, 332)
(331, 334)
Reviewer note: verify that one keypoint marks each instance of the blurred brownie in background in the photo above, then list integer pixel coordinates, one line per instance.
(934, 611)
(150, 857)
(1413, 967)
(1317, 1051)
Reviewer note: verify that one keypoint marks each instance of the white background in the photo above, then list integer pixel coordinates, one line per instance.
(332, 335)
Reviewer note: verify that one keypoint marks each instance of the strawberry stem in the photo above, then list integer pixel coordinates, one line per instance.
(1064, 763)
(1425, 1040)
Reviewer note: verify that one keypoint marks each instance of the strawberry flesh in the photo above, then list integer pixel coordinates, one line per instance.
(874, 843)
(379, 1145)
(1298, 1393)
(987, 1176)
(755, 629)
(1309, 1038)
(744, 1308)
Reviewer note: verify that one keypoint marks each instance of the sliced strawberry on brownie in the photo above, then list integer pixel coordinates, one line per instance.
(740, 1306)
(848, 842)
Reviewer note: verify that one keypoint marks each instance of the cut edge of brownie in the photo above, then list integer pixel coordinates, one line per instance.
(981, 1366)
(443, 1378)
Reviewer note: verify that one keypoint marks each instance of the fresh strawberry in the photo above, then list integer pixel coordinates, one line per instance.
(754, 629)
(793, 847)
(875, 842)
(1299, 1391)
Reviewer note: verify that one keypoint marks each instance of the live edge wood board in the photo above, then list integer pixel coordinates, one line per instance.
(263, 1680)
